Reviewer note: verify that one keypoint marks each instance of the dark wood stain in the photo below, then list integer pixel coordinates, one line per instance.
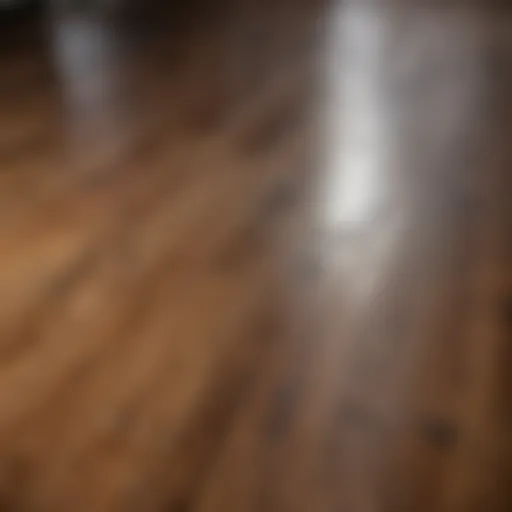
(439, 433)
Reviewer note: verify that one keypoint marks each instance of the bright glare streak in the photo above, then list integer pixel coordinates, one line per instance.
(357, 147)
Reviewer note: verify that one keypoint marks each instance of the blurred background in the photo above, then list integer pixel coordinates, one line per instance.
(255, 256)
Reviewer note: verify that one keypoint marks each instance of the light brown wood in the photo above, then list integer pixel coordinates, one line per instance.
(255, 256)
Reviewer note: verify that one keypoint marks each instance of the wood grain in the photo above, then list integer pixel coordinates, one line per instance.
(256, 256)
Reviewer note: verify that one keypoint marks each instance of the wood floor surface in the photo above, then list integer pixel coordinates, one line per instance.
(256, 257)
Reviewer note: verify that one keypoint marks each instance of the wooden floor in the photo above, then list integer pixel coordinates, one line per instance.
(257, 257)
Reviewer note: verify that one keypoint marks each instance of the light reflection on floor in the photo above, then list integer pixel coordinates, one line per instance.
(359, 150)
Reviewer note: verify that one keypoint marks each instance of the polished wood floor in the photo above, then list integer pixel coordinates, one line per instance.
(256, 256)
